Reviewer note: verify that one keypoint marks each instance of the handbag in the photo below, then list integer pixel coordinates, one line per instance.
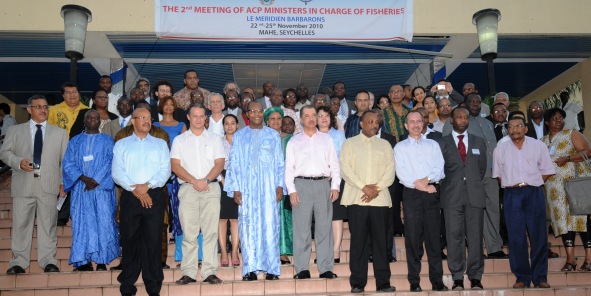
(578, 191)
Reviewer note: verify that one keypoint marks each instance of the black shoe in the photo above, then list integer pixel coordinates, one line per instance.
(476, 285)
(328, 275)
(165, 266)
(118, 267)
(458, 285)
(271, 277)
(185, 280)
(391, 259)
(285, 262)
(15, 270)
(51, 268)
(62, 222)
(498, 255)
(337, 260)
(213, 279)
(314, 261)
(85, 267)
(389, 289)
(439, 287)
(101, 267)
(415, 288)
(399, 234)
(249, 277)
(370, 258)
(304, 274)
(443, 256)
(154, 294)
(356, 290)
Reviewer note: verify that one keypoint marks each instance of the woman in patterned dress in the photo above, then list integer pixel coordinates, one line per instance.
(566, 147)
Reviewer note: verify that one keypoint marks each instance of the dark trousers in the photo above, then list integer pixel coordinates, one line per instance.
(391, 224)
(525, 213)
(396, 195)
(141, 235)
(364, 220)
(64, 213)
(422, 220)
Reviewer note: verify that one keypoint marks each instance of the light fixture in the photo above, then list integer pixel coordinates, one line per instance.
(487, 23)
(76, 19)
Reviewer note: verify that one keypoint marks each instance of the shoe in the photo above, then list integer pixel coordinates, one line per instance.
(356, 290)
(543, 285)
(154, 294)
(498, 255)
(249, 277)
(458, 285)
(271, 277)
(285, 262)
(17, 269)
(128, 294)
(62, 222)
(389, 289)
(398, 234)
(443, 256)
(213, 279)
(101, 267)
(585, 267)
(552, 254)
(304, 274)
(415, 288)
(235, 263)
(391, 259)
(476, 285)
(520, 285)
(328, 275)
(85, 267)
(439, 287)
(118, 267)
(51, 268)
(337, 260)
(569, 267)
(224, 263)
(314, 261)
(165, 266)
(370, 258)
(185, 280)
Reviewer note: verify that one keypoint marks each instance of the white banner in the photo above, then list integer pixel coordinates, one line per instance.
(285, 20)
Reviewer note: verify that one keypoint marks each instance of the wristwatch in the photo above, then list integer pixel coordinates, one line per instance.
(149, 185)
(207, 181)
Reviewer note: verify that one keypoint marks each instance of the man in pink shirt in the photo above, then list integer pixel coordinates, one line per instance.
(312, 178)
(522, 165)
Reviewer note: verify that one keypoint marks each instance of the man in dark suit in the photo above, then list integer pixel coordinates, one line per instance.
(233, 107)
(498, 117)
(535, 125)
(35, 150)
(463, 199)
(339, 90)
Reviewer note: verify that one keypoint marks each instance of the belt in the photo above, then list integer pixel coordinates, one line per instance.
(311, 178)
(522, 184)
(36, 175)
(434, 184)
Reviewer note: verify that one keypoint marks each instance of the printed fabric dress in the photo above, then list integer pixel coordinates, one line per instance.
(557, 202)
(286, 235)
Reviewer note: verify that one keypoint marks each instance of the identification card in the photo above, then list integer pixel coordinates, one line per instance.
(552, 150)
(476, 151)
(88, 158)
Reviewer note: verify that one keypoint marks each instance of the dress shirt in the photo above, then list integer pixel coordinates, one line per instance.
(267, 103)
(233, 111)
(417, 160)
(216, 127)
(33, 129)
(457, 140)
(198, 153)
(112, 104)
(367, 161)
(343, 110)
(571, 121)
(338, 138)
(62, 116)
(300, 105)
(183, 96)
(124, 120)
(539, 128)
(138, 161)
(527, 164)
(7, 122)
(352, 126)
(311, 157)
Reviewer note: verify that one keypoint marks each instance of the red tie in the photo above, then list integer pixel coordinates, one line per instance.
(462, 148)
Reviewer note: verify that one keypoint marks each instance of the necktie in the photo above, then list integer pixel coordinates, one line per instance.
(461, 147)
(38, 145)
(122, 123)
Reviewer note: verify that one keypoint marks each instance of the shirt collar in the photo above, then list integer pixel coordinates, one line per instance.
(32, 124)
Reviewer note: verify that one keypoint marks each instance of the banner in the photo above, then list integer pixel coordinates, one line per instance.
(285, 20)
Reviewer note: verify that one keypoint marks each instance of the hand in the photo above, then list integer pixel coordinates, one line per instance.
(24, 165)
(62, 192)
(561, 161)
(146, 200)
(334, 195)
(238, 197)
(89, 182)
(279, 193)
(201, 185)
(294, 198)
(448, 87)
(139, 190)
(370, 190)
(420, 184)
(430, 189)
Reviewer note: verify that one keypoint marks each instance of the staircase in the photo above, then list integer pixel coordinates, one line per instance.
(497, 278)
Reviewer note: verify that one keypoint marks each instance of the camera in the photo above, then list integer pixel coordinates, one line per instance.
(35, 166)
(440, 87)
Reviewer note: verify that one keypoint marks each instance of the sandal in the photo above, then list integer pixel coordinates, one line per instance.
(235, 263)
(569, 267)
(585, 267)
(224, 263)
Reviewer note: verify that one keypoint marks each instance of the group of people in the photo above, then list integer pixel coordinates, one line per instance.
(286, 168)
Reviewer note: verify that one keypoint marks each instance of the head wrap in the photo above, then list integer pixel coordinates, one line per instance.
(270, 111)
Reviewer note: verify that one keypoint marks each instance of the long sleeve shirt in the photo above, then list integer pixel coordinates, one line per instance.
(138, 161)
(313, 156)
(418, 159)
(527, 164)
(367, 161)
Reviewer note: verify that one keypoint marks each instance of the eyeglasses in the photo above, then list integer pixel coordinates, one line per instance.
(290, 96)
(500, 111)
(232, 98)
(256, 111)
(515, 126)
(324, 116)
(444, 106)
(557, 119)
(536, 108)
(101, 97)
(40, 107)
(143, 118)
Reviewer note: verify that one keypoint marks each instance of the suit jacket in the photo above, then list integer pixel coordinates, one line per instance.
(241, 122)
(18, 145)
(78, 126)
(457, 173)
(531, 131)
(388, 137)
(263, 103)
(433, 135)
(112, 127)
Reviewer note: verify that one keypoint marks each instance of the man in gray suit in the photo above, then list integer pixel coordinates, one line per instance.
(483, 128)
(35, 150)
(463, 199)
(265, 100)
(124, 106)
(233, 107)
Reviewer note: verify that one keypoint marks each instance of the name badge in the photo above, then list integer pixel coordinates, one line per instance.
(88, 158)
(476, 151)
(552, 150)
